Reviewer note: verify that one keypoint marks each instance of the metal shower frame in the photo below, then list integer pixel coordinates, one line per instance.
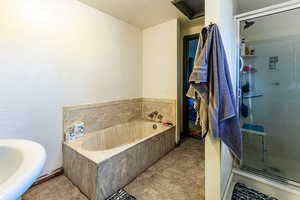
(271, 10)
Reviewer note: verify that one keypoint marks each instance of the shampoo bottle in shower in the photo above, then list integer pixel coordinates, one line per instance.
(243, 47)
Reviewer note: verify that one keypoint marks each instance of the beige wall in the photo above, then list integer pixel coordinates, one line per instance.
(62, 52)
(160, 60)
(190, 30)
(192, 27)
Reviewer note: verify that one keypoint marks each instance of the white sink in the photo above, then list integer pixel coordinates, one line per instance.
(21, 162)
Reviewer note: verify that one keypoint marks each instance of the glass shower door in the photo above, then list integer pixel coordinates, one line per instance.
(269, 100)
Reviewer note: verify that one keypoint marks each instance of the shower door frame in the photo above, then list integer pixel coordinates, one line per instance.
(271, 10)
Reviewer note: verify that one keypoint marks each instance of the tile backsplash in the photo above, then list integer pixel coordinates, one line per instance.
(165, 107)
(103, 115)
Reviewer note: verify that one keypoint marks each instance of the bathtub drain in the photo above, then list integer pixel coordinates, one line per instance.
(154, 126)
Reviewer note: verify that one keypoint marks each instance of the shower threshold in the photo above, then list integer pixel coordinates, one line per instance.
(269, 176)
(266, 185)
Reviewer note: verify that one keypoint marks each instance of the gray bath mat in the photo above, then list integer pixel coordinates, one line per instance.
(121, 195)
(242, 192)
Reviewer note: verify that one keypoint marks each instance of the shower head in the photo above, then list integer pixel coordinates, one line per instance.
(248, 24)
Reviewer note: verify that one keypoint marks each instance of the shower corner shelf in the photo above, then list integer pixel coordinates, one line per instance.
(249, 56)
(252, 96)
(247, 72)
(261, 133)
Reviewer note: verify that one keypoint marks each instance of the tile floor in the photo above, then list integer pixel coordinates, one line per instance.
(177, 176)
(59, 188)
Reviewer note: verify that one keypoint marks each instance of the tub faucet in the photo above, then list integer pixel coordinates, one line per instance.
(160, 117)
(153, 115)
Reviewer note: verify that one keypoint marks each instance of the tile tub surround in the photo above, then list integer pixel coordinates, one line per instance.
(103, 115)
(80, 170)
(166, 107)
(100, 173)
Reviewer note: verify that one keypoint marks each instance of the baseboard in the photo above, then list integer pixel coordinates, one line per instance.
(48, 176)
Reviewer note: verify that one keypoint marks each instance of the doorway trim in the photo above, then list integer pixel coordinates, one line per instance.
(186, 38)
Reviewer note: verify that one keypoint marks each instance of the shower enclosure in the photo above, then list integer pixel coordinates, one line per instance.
(269, 92)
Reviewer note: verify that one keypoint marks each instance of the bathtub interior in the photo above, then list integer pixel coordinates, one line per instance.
(120, 135)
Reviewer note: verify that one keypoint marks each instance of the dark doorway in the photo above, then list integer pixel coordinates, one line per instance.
(190, 44)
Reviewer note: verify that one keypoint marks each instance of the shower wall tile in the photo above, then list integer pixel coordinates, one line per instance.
(103, 115)
(166, 107)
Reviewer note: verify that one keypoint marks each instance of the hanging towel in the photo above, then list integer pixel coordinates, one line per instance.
(211, 89)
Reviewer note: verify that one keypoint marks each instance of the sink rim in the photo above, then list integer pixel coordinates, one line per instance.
(13, 156)
(34, 157)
